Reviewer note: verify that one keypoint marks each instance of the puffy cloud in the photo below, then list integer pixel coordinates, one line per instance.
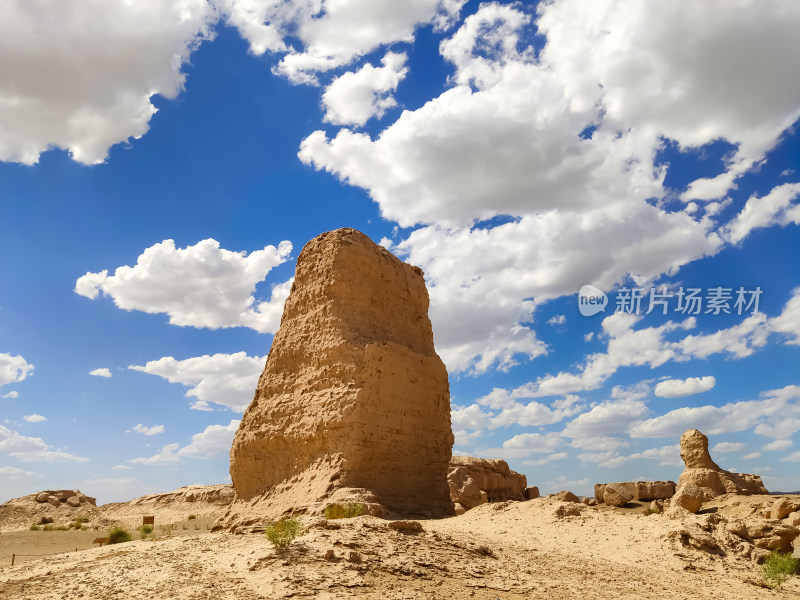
(524, 445)
(224, 379)
(336, 33)
(331, 34)
(80, 75)
(788, 322)
(751, 456)
(468, 417)
(738, 341)
(557, 320)
(32, 449)
(487, 277)
(606, 419)
(572, 140)
(500, 409)
(776, 414)
(198, 286)
(555, 457)
(464, 437)
(778, 445)
(12, 394)
(677, 388)
(535, 442)
(512, 148)
(16, 473)
(101, 372)
(13, 369)
(626, 347)
(356, 97)
(778, 207)
(728, 447)
(685, 95)
(34, 418)
(148, 431)
(214, 441)
(649, 346)
(665, 455)
(168, 455)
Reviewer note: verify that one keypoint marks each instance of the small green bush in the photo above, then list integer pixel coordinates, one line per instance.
(778, 567)
(281, 533)
(344, 511)
(117, 535)
(48, 527)
(192, 517)
(145, 530)
(34, 527)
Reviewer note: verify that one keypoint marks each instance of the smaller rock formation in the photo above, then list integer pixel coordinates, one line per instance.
(617, 494)
(707, 475)
(73, 498)
(781, 508)
(50, 506)
(643, 491)
(531, 492)
(688, 497)
(716, 534)
(565, 496)
(570, 509)
(474, 481)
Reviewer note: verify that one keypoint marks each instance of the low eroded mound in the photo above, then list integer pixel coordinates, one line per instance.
(59, 507)
(202, 501)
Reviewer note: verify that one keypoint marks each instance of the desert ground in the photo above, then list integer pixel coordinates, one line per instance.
(542, 548)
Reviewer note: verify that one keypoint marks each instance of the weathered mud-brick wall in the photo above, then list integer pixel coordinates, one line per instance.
(353, 403)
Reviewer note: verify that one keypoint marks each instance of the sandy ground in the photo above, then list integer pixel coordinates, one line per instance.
(32, 545)
(495, 551)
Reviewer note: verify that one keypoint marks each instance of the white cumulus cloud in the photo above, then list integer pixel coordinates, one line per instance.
(79, 75)
(34, 418)
(778, 207)
(32, 449)
(13, 369)
(145, 430)
(101, 372)
(214, 441)
(677, 388)
(728, 447)
(564, 147)
(168, 455)
(198, 286)
(357, 96)
(778, 445)
(16, 473)
(225, 379)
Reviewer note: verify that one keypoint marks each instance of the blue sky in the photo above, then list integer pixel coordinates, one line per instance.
(163, 164)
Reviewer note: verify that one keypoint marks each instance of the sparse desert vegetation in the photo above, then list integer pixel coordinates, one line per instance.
(117, 535)
(344, 511)
(777, 568)
(282, 532)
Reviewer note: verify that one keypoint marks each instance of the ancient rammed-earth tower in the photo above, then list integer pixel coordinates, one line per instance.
(354, 403)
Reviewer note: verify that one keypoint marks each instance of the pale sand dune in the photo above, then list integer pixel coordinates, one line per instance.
(528, 552)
